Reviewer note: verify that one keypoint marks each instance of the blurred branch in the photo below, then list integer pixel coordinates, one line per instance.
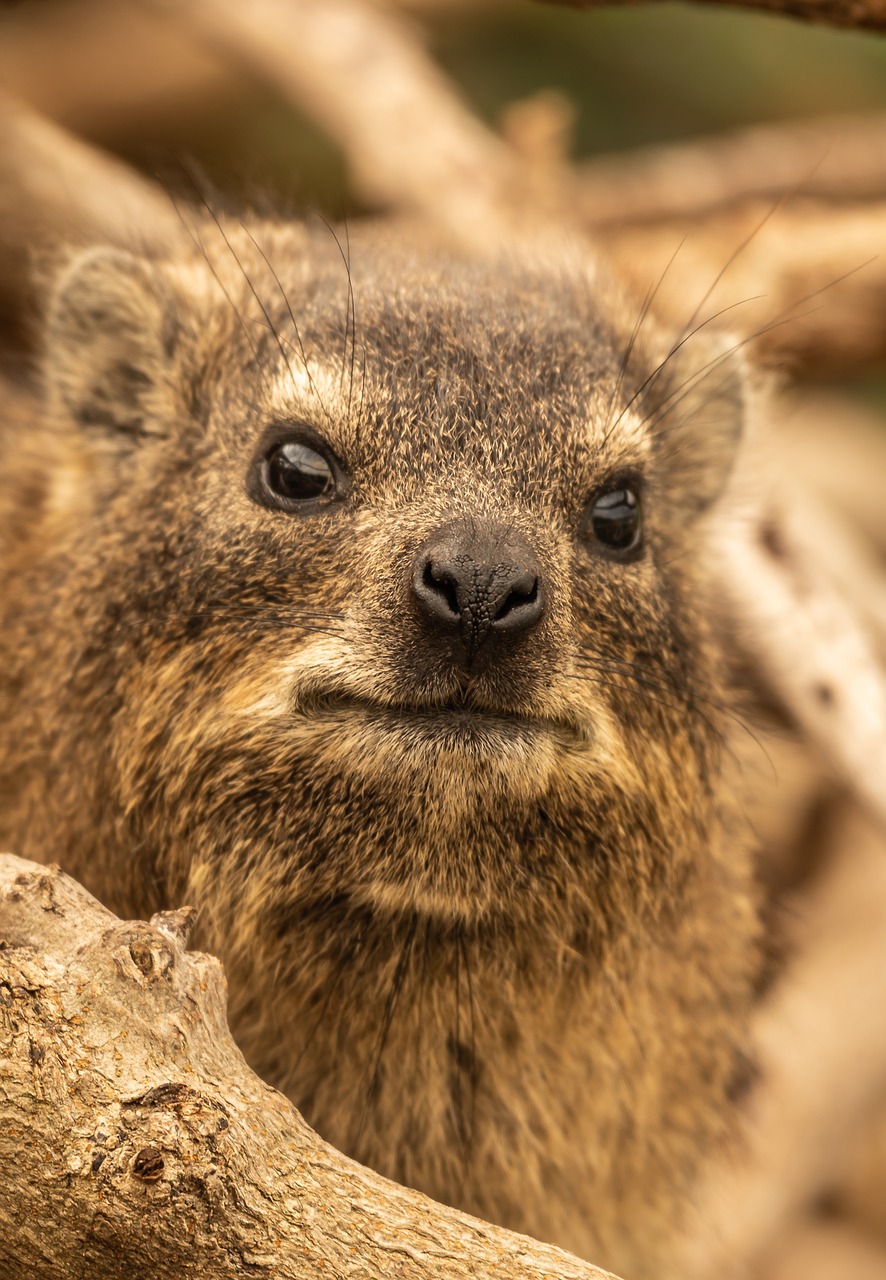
(805, 281)
(868, 15)
(821, 1043)
(803, 616)
(363, 76)
(55, 189)
(839, 158)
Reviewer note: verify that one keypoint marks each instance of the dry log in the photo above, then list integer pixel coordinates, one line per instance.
(136, 1142)
(837, 159)
(106, 68)
(809, 628)
(867, 15)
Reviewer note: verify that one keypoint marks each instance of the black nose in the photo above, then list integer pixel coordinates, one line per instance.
(481, 582)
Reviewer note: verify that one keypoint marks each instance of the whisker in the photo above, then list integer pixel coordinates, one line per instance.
(690, 699)
(783, 318)
(199, 244)
(673, 351)
(350, 311)
(651, 293)
(294, 322)
(271, 326)
(254, 615)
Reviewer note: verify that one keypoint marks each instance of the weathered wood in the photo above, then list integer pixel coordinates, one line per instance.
(135, 1141)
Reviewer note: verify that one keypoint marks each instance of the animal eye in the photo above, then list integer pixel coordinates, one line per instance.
(297, 472)
(616, 518)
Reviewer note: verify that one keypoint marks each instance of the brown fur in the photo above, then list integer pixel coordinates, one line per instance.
(495, 935)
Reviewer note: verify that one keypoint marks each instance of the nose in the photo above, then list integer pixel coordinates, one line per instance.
(481, 582)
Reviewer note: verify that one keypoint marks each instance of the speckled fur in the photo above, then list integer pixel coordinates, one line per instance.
(502, 953)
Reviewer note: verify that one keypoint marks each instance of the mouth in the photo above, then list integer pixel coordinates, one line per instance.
(453, 718)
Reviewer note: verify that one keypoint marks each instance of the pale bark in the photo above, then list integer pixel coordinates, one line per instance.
(136, 1142)
(809, 626)
(804, 281)
(56, 190)
(838, 159)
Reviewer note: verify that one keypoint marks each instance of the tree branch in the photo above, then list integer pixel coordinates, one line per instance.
(135, 1140)
(362, 75)
(867, 15)
(837, 159)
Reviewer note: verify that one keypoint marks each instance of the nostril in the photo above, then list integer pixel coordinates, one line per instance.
(435, 588)
(522, 596)
(441, 582)
(522, 606)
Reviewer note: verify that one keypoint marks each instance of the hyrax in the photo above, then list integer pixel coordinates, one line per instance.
(370, 618)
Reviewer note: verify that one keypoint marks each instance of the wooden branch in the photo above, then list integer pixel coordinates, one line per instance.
(802, 629)
(821, 1044)
(867, 15)
(56, 190)
(807, 278)
(837, 159)
(360, 73)
(134, 1139)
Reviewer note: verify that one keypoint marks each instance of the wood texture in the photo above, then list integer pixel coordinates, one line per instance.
(135, 1142)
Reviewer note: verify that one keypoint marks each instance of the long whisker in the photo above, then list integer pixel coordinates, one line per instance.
(254, 615)
(779, 203)
(672, 697)
(350, 312)
(199, 244)
(269, 322)
(635, 332)
(659, 368)
(783, 318)
(293, 321)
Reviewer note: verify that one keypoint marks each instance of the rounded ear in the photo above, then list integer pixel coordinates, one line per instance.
(699, 419)
(108, 354)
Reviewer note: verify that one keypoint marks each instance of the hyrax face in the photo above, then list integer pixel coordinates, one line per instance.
(380, 592)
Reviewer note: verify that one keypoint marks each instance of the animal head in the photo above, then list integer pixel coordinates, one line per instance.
(380, 579)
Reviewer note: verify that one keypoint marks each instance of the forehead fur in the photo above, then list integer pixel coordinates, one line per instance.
(415, 366)
(426, 360)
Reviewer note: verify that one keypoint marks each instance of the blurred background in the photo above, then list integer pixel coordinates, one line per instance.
(137, 83)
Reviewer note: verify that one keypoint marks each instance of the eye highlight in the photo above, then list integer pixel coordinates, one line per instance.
(298, 473)
(295, 472)
(614, 519)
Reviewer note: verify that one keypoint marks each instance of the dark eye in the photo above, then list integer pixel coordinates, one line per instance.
(616, 520)
(297, 473)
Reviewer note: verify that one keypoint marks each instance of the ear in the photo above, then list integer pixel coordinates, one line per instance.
(109, 346)
(700, 419)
